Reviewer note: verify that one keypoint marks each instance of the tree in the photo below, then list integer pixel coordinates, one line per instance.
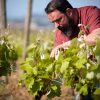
(3, 19)
(27, 27)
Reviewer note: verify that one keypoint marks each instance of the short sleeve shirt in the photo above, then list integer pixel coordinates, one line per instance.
(88, 16)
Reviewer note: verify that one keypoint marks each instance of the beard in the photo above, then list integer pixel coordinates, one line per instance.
(69, 29)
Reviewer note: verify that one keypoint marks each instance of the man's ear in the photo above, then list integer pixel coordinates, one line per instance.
(69, 12)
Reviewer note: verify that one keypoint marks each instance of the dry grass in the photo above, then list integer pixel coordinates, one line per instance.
(12, 91)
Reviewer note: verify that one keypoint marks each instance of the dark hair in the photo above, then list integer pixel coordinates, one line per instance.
(60, 5)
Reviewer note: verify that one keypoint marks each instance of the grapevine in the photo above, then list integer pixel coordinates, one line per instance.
(8, 56)
(76, 67)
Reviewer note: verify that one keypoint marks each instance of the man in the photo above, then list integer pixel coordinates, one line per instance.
(69, 21)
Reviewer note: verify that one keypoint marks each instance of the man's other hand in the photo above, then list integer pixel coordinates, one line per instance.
(58, 48)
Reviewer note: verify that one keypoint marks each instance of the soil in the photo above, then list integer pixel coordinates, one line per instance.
(12, 91)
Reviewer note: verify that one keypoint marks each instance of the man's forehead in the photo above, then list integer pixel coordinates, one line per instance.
(53, 15)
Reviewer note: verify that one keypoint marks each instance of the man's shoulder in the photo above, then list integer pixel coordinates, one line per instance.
(87, 11)
(87, 8)
(89, 16)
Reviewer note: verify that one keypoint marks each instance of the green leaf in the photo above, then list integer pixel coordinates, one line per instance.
(78, 86)
(80, 63)
(35, 71)
(57, 68)
(37, 86)
(97, 91)
(54, 91)
(84, 90)
(45, 76)
(29, 59)
(29, 82)
(13, 55)
(49, 68)
(31, 47)
(23, 76)
(97, 51)
(64, 66)
(54, 88)
(27, 68)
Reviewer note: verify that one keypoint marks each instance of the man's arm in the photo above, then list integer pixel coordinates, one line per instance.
(56, 49)
(89, 39)
(93, 37)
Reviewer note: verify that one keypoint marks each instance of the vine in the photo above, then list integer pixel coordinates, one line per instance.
(76, 67)
(8, 56)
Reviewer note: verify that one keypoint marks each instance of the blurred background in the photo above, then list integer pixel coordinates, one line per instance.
(17, 17)
(16, 12)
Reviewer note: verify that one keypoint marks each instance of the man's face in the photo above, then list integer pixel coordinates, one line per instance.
(61, 21)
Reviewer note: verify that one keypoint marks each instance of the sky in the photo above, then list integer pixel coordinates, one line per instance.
(17, 8)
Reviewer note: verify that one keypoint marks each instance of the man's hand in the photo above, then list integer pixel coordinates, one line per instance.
(55, 51)
(58, 48)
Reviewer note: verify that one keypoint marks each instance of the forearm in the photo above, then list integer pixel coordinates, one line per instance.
(56, 49)
(93, 37)
(65, 45)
